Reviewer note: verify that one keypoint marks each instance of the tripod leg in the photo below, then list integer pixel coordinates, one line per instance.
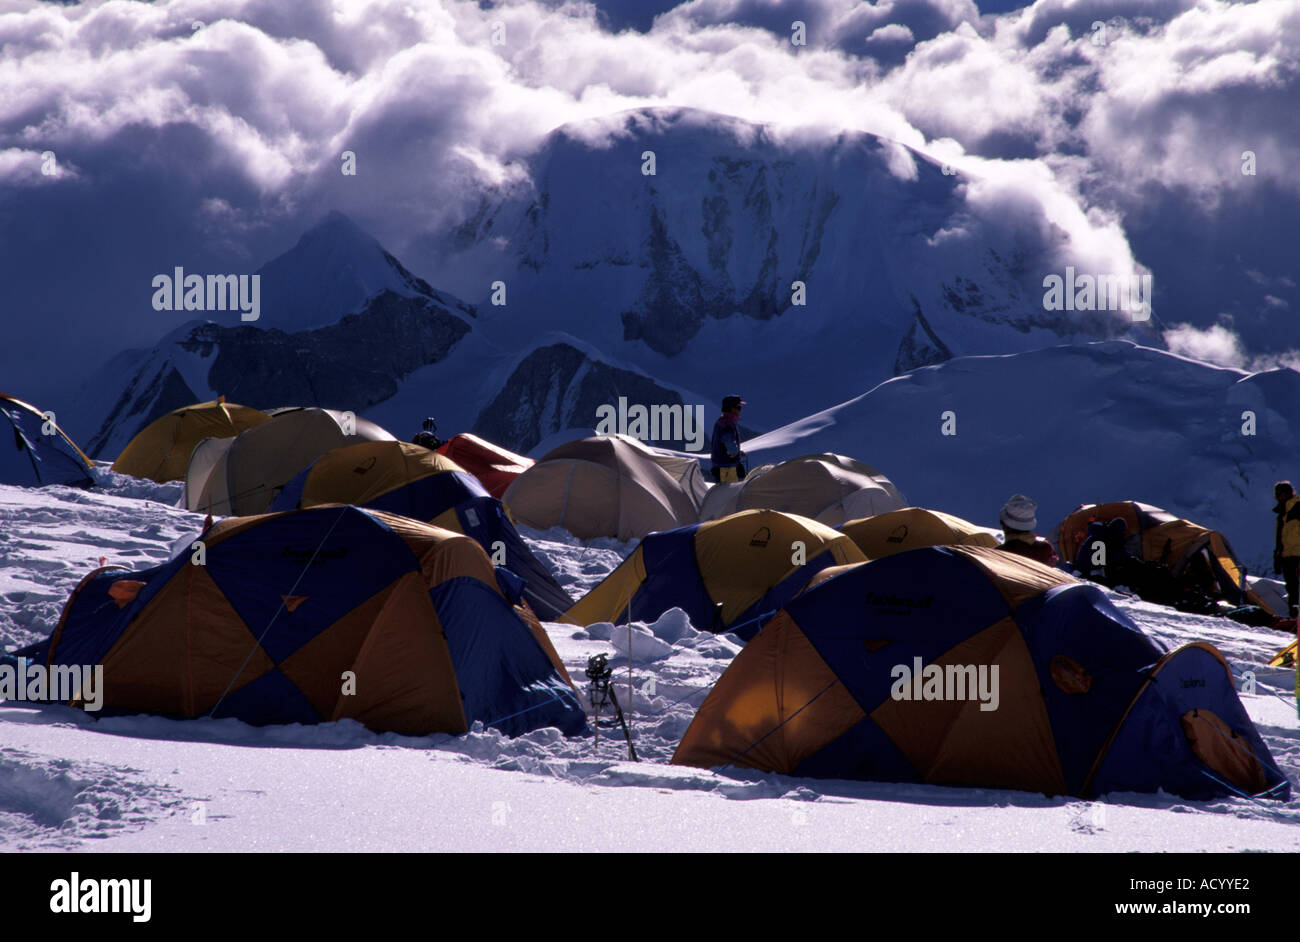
(631, 749)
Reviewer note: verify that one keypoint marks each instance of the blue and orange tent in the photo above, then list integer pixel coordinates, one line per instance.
(1159, 537)
(898, 530)
(885, 671)
(407, 479)
(724, 574)
(319, 615)
(32, 458)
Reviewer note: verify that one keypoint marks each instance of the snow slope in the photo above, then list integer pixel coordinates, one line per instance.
(70, 781)
(1069, 425)
(405, 352)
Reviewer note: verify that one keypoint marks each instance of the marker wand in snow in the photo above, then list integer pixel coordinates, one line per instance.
(602, 692)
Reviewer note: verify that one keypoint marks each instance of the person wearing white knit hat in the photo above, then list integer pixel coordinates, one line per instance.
(1019, 519)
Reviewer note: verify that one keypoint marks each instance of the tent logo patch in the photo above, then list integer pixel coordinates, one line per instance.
(762, 536)
(312, 554)
(898, 535)
(899, 604)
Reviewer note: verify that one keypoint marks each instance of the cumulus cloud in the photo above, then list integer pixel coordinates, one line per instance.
(1220, 345)
(221, 142)
(1216, 344)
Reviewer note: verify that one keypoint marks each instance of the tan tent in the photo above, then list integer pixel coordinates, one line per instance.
(161, 450)
(889, 533)
(242, 475)
(827, 488)
(610, 485)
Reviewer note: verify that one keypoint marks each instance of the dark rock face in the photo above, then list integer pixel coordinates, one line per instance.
(558, 387)
(356, 362)
(675, 297)
(353, 364)
(672, 305)
(166, 390)
(921, 346)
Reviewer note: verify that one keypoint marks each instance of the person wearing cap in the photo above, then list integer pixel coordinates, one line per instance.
(728, 460)
(1019, 523)
(1286, 547)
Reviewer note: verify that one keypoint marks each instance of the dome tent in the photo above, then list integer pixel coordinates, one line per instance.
(609, 485)
(161, 450)
(827, 488)
(407, 479)
(495, 467)
(31, 458)
(1168, 541)
(285, 604)
(242, 475)
(898, 530)
(723, 574)
(897, 689)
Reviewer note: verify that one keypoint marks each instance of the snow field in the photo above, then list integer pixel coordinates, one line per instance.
(71, 781)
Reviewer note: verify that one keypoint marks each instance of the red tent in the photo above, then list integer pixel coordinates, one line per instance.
(495, 467)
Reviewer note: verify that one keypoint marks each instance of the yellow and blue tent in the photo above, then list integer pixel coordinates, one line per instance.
(885, 672)
(724, 574)
(319, 615)
(241, 476)
(407, 479)
(161, 450)
(31, 458)
(899, 530)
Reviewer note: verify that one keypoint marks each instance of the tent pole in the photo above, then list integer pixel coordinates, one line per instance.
(630, 704)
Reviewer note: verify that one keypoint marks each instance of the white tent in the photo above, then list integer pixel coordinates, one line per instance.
(828, 488)
(609, 485)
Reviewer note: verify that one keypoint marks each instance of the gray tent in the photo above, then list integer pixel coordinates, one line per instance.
(610, 485)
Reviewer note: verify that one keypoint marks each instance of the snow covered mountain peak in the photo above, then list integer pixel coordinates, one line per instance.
(332, 271)
(717, 253)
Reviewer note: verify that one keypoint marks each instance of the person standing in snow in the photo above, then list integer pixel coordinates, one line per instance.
(1019, 521)
(1286, 547)
(728, 460)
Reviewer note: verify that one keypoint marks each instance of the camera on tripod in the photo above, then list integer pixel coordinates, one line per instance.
(602, 694)
(598, 670)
